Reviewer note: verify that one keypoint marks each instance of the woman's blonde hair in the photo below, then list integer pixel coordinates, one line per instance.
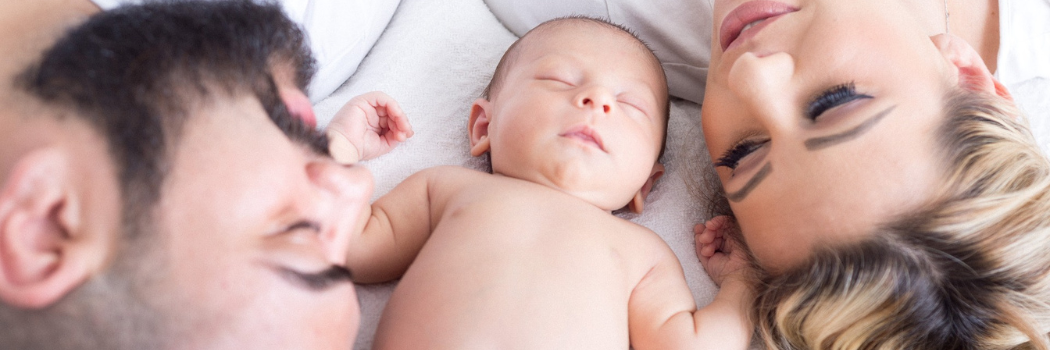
(970, 270)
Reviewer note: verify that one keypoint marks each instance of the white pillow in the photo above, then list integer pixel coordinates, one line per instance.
(679, 32)
(340, 32)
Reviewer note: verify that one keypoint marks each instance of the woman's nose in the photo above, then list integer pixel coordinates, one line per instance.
(597, 98)
(764, 85)
(344, 194)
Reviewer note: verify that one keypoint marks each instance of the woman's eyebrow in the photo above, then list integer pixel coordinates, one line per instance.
(831, 140)
(762, 173)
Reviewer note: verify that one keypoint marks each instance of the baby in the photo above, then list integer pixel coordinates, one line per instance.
(530, 256)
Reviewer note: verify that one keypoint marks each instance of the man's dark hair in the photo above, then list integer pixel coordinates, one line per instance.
(134, 74)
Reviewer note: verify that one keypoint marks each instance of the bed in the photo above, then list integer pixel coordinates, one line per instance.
(435, 58)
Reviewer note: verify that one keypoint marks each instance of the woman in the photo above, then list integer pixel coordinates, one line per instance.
(881, 179)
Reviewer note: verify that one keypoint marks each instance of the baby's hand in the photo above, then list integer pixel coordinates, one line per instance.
(366, 127)
(721, 256)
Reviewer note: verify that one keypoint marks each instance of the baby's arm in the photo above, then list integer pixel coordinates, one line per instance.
(368, 126)
(395, 230)
(663, 315)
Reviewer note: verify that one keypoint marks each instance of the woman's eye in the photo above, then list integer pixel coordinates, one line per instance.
(731, 158)
(831, 98)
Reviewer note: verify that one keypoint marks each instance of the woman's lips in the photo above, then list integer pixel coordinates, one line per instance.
(748, 13)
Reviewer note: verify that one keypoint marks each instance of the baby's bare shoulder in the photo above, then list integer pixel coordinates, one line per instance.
(449, 176)
(644, 246)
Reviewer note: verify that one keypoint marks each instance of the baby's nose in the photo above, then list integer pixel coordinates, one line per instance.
(596, 98)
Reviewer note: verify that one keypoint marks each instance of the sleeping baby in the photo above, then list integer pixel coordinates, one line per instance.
(530, 256)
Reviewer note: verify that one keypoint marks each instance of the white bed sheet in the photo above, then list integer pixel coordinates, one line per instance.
(436, 57)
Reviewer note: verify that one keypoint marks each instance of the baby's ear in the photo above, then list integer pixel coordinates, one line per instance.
(478, 127)
(637, 203)
(972, 73)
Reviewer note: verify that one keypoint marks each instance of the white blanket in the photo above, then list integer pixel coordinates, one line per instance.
(436, 57)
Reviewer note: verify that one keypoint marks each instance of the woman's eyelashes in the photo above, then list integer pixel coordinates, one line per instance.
(731, 158)
(831, 98)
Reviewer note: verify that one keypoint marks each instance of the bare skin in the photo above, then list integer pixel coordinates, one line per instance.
(530, 256)
(514, 264)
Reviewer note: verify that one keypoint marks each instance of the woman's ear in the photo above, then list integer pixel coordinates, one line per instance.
(971, 71)
(478, 127)
(42, 255)
(637, 203)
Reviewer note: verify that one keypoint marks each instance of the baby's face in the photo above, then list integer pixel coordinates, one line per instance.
(580, 110)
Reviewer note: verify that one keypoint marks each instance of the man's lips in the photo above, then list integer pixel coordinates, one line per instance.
(748, 13)
(586, 134)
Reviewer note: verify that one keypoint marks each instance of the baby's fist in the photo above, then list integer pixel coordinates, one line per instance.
(366, 127)
(720, 254)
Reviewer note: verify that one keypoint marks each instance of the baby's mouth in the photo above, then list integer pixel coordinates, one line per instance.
(586, 134)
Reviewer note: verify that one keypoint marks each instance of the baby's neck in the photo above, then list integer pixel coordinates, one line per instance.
(555, 188)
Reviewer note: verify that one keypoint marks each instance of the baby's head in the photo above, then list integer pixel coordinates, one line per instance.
(579, 105)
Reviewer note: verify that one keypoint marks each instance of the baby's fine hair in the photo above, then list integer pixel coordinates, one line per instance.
(511, 55)
(969, 270)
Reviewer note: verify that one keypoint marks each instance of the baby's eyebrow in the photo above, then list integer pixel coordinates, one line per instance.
(831, 140)
(742, 193)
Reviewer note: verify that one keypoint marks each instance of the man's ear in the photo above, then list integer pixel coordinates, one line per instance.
(637, 203)
(478, 127)
(41, 253)
(972, 73)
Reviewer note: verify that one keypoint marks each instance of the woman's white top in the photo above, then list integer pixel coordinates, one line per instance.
(1024, 41)
(340, 32)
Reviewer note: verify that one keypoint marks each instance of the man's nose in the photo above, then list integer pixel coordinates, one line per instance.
(597, 98)
(765, 87)
(344, 192)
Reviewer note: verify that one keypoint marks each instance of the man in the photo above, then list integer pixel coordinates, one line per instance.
(156, 192)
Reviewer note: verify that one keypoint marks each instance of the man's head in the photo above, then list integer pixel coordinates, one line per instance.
(160, 193)
(580, 105)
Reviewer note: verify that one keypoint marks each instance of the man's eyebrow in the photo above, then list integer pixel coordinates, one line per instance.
(831, 140)
(291, 126)
(315, 282)
(739, 195)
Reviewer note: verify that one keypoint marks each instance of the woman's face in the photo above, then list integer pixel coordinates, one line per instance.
(822, 120)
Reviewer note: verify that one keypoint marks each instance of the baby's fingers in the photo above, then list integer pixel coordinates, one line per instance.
(710, 249)
(399, 124)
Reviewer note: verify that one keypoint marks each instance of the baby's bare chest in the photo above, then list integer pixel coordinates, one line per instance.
(499, 268)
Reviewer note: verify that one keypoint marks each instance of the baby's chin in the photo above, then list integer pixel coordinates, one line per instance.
(601, 189)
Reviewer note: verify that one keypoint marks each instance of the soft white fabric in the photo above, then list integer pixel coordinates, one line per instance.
(435, 58)
(679, 32)
(340, 33)
(1023, 64)
(1024, 41)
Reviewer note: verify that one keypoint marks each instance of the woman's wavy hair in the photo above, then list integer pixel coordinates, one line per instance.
(969, 270)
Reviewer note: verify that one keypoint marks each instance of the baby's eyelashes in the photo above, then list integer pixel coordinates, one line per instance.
(557, 80)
